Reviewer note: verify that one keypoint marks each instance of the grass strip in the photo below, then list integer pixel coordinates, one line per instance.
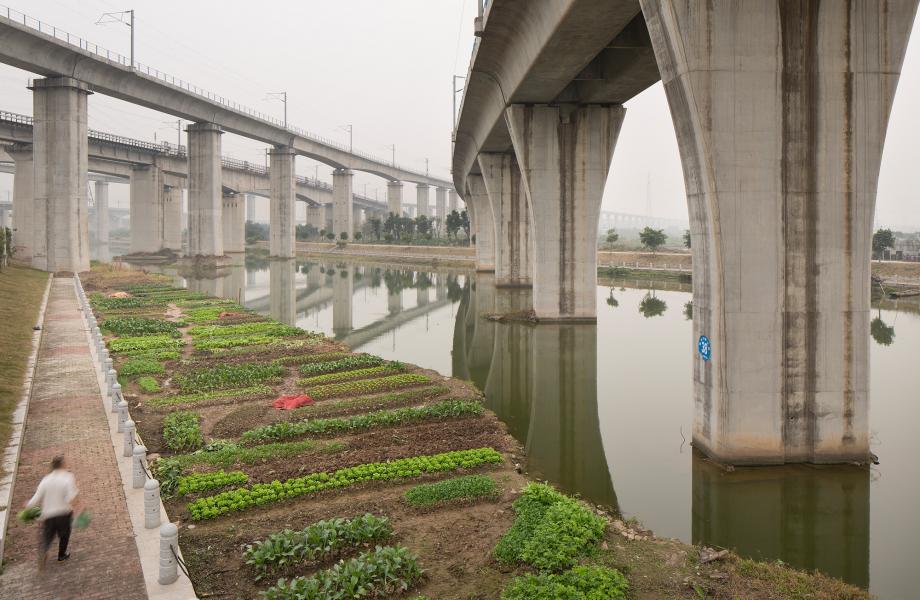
(251, 391)
(203, 482)
(388, 369)
(451, 408)
(550, 531)
(210, 507)
(368, 386)
(382, 573)
(317, 541)
(469, 487)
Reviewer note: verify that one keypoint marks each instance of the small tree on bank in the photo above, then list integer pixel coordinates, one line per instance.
(882, 240)
(687, 238)
(652, 239)
(612, 236)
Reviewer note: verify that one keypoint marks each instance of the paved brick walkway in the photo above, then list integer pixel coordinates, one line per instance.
(66, 416)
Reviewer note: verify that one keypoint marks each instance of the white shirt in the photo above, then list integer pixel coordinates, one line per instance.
(55, 493)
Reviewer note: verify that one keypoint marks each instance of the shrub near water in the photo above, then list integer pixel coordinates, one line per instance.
(458, 488)
(315, 542)
(227, 376)
(181, 431)
(383, 573)
(580, 583)
(550, 530)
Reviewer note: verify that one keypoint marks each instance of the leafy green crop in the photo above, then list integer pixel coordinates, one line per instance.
(227, 376)
(580, 583)
(468, 487)
(346, 363)
(315, 542)
(266, 328)
(383, 573)
(246, 392)
(445, 409)
(368, 386)
(202, 482)
(231, 341)
(229, 453)
(100, 302)
(303, 359)
(276, 491)
(145, 343)
(550, 530)
(148, 385)
(388, 369)
(139, 326)
(181, 431)
(371, 402)
(140, 366)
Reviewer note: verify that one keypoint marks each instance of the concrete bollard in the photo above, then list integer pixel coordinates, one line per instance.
(111, 379)
(169, 540)
(115, 396)
(129, 439)
(122, 416)
(103, 353)
(138, 476)
(151, 504)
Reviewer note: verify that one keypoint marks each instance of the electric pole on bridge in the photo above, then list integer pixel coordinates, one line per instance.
(119, 17)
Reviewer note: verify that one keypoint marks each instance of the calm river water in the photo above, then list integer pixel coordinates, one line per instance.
(605, 410)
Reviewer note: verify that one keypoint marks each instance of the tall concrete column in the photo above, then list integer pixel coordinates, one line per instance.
(565, 153)
(234, 225)
(205, 193)
(343, 301)
(281, 213)
(452, 204)
(146, 209)
(511, 217)
(394, 301)
(421, 199)
(103, 252)
(342, 203)
(781, 155)
(316, 217)
(394, 197)
(172, 217)
(480, 215)
(250, 209)
(283, 298)
(440, 204)
(23, 201)
(328, 216)
(60, 154)
(357, 218)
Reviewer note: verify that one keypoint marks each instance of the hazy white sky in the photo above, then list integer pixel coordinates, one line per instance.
(385, 67)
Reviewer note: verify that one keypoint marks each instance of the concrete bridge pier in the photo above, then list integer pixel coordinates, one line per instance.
(482, 223)
(146, 209)
(233, 226)
(421, 199)
(281, 206)
(357, 218)
(205, 193)
(103, 252)
(422, 296)
(342, 203)
(23, 200)
(394, 197)
(282, 296)
(316, 216)
(172, 217)
(250, 209)
(452, 204)
(440, 205)
(564, 153)
(61, 156)
(343, 291)
(394, 302)
(781, 155)
(513, 242)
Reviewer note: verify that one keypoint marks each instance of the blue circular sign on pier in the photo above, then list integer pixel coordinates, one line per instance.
(704, 347)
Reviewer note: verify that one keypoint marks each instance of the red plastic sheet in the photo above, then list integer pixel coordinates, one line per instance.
(292, 402)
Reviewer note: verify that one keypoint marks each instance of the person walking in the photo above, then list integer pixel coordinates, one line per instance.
(56, 494)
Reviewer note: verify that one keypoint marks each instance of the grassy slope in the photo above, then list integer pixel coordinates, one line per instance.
(21, 291)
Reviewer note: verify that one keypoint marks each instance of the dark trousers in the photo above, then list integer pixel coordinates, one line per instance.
(56, 526)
